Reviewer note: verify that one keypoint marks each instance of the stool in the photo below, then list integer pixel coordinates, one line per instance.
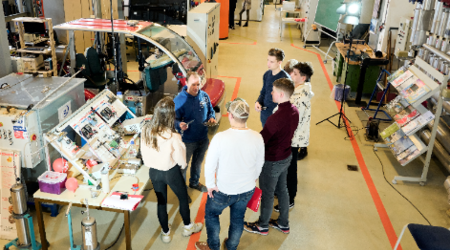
(428, 237)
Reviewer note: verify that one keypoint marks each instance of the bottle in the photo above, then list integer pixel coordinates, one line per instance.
(119, 96)
(132, 152)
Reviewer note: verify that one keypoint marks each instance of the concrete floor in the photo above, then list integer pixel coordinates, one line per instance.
(335, 208)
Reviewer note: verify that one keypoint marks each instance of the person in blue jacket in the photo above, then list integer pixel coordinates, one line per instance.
(264, 104)
(193, 108)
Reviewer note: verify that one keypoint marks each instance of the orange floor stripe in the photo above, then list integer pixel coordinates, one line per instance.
(236, 88)
(388, 228)
(200, 218)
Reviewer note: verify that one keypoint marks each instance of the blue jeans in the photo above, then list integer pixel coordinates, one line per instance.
(197, 151)
(273, 179)
(214, 208)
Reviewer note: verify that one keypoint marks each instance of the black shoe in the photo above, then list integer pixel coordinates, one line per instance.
(239, 23)
(189, 199)
(302, 153)
(200, 187)
(231, 27)
(277, 208)
(245, 25)
(253, 227)
(274, 223)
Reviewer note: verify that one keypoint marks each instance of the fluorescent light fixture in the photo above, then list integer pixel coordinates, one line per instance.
(342, 10)
(347, 19)
(354, 8)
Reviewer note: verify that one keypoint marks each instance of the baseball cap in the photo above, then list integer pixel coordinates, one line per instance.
(238, 107)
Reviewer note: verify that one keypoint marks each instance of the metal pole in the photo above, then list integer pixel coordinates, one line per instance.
(114, 47)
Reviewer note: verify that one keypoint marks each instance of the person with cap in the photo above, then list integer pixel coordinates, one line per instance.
(193, 110)
(233, 164)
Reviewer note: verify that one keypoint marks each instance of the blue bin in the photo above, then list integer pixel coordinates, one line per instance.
(338, 92)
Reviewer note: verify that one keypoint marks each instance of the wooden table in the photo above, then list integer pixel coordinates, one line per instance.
(119, 184)
(356, 69)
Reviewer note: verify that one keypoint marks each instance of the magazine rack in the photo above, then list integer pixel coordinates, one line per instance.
(418, 70)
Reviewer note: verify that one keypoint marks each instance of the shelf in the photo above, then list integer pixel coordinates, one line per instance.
(43, 52)
(428, 81)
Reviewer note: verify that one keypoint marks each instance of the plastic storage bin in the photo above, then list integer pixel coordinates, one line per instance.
(52, 182)
(338, 92)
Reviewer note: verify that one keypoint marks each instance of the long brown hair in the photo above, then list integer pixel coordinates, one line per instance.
(163, 119)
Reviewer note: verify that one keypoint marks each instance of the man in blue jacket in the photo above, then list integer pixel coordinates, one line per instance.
(192, 109)
(264, 104)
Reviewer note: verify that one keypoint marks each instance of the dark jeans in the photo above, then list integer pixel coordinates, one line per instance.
(214, 208)
(197, 151)
(232, 6)
(173, 178)
(273, 179)
(292, 180)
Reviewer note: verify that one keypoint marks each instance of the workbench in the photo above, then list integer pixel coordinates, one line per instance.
(118, 183)
(354, 67)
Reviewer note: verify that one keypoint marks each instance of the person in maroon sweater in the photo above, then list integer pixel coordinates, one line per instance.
(277, 134)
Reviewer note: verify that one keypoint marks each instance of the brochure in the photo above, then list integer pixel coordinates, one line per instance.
(396, 74)
(401, 145)
(418, 123)
(406, 115)
(414, 91)
(389, 130)
(402, 78)
(409, 157)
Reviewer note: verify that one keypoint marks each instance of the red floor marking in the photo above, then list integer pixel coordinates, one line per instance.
(388, 228)
(236, 88)
(254, 43)
(200, 218)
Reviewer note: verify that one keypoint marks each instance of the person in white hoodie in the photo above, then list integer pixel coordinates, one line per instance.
(300, 73)
(164, 153)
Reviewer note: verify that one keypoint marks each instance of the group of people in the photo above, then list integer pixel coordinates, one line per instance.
(237, 157)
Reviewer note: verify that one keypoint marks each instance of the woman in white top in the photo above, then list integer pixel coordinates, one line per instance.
(301, 74)
(164, 152)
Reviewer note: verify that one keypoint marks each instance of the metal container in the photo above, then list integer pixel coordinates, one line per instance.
(142, 103)
(437, 17)
(19, 199)
(443, 23)
(19, 210)
(89, 234)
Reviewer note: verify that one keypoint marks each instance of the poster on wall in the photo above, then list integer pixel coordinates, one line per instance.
(9, 162)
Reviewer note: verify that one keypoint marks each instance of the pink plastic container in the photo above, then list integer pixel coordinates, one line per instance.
(52, 182)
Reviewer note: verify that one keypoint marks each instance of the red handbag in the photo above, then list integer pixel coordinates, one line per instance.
(254, 202)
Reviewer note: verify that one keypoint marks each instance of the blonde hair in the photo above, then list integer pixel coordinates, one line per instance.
(163, 119)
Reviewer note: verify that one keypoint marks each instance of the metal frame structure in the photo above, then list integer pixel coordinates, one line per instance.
(441, 78)
(316, 46)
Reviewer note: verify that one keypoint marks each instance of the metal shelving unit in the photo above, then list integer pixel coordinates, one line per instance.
(18, 22)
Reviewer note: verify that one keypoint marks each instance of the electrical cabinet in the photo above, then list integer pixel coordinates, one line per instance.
(308, 10)
(203, 35)
(402, 43)
(23, 130)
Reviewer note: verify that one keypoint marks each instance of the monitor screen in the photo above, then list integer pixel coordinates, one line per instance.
(34, 28)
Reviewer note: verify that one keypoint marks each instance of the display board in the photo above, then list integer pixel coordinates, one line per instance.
(326, 15)
(9, 161)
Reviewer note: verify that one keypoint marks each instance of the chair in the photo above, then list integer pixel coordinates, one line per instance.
(427, 237)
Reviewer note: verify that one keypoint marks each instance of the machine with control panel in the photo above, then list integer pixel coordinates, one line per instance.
(22, 123)
(203, 34)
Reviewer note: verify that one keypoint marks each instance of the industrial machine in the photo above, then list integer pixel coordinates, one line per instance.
(31, 106)
(203, 33)
(169, 54)
(142, 102)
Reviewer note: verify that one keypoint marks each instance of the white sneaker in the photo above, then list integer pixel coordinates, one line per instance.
(165, 237)
(192, 229)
